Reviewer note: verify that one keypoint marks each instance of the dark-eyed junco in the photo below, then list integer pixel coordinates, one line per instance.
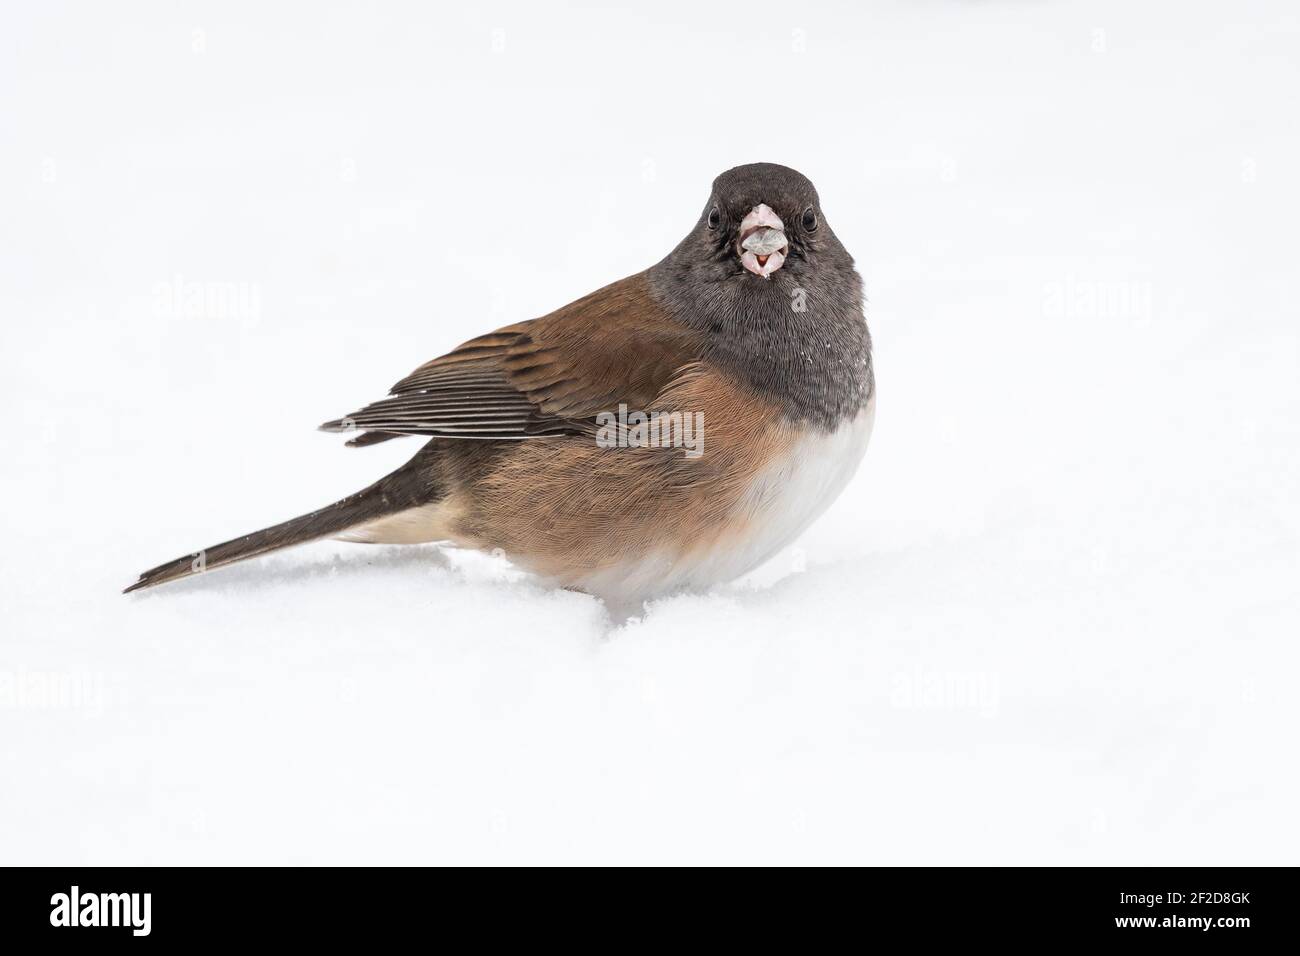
(669, 431)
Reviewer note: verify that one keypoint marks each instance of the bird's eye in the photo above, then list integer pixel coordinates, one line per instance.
(715, 218)
(810, 219)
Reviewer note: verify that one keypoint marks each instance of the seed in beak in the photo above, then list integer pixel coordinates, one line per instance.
(764, 241)
(762, 245)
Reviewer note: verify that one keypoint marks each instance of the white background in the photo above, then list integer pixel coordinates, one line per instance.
(1053, 619)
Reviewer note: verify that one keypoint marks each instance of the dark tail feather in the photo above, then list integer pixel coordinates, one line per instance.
(397, 492)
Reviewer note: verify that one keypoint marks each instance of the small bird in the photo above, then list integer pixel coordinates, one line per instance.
(668, 432)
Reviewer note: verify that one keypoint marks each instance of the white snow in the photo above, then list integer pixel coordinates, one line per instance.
(1052, 620)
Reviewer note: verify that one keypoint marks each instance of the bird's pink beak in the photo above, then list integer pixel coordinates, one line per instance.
(762, 245)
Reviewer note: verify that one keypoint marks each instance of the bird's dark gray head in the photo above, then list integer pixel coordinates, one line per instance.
(761, 221)
(765, 277)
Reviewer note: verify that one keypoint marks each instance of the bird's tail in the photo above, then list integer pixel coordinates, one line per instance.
(393, 494)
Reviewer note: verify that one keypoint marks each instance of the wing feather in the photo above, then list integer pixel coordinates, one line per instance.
(547, 376)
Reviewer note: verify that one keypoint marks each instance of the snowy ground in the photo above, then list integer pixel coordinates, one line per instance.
(1053, 620)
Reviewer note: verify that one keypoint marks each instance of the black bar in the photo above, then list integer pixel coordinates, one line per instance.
(1226, 908)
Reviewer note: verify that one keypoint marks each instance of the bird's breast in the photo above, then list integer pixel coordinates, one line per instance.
(768, 510)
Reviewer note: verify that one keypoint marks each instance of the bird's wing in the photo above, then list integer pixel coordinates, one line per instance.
(546, 376)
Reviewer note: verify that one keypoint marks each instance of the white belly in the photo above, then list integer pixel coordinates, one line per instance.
(778, 505)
